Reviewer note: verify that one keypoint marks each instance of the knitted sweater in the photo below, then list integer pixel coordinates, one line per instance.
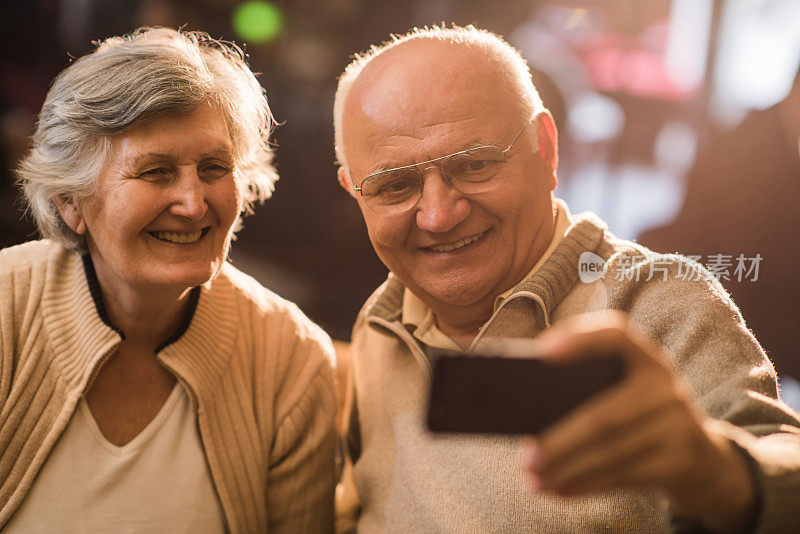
(409, 480)
(257, 370)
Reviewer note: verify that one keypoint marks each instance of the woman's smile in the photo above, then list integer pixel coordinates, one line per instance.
(181, 238)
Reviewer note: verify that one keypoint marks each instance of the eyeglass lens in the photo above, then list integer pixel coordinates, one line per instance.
(471, 171)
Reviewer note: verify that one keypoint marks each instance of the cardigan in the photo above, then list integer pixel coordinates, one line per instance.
(257, 371)
(409, 480)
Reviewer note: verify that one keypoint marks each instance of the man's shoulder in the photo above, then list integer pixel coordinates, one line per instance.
(663, 289)
(386, 301)
(630, 262)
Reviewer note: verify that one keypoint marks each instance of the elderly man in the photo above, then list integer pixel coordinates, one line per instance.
(451, 156)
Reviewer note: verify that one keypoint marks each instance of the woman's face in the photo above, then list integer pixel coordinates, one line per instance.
(165, 205)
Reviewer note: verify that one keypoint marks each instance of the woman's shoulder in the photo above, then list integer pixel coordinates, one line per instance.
(265, 307)
(34, 264)
(31, 254)
(250, 292)
(29, 273)
(271, 328)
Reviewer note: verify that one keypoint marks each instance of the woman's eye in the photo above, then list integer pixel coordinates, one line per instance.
(155, 174)
(214, 171)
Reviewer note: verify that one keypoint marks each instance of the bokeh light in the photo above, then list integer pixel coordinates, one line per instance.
(257, 21)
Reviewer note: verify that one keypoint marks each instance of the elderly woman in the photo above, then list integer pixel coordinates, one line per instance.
(146, 385)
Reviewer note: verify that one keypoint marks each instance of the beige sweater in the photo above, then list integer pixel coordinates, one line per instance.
(257, 370)
(409, 480)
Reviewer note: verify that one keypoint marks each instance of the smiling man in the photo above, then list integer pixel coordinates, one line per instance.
(451, 156)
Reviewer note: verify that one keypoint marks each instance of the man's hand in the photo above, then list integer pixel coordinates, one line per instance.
(645, 431)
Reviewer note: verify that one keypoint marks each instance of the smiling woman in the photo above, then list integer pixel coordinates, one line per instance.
(164, 206)
(146, 384)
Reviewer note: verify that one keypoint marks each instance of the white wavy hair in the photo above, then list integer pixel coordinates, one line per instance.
(125, 82)
(498, 51)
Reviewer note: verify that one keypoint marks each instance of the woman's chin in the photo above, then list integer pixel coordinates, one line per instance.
(180, 277)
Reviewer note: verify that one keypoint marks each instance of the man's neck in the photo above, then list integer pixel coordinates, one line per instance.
(463, 335)
(463, 323)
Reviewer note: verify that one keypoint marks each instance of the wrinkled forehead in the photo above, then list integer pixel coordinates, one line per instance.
(427, 89)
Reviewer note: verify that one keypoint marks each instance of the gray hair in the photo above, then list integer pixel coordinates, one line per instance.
(125, 82)
(499, 51)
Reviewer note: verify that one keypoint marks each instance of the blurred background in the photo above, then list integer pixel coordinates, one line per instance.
(678, 125)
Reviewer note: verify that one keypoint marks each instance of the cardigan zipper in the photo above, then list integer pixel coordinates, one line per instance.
(97, 366)
(193, 397)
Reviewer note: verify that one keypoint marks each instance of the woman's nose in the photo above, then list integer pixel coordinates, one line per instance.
(189, 196)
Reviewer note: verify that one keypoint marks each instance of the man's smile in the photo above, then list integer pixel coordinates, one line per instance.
(448, 247)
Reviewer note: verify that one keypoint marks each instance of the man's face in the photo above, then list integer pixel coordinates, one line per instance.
(425, 100)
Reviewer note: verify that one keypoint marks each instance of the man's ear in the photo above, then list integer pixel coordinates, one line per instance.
(344, 180)
(70, 213)
(548, 143)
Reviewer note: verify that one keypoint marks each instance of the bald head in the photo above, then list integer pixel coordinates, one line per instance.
(429, 75)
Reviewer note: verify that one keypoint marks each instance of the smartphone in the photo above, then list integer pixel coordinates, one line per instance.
(493, 394)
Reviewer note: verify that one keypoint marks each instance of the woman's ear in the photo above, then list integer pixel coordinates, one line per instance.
(70, 213)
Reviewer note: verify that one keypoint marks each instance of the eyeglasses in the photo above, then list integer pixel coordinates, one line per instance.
(470, 171)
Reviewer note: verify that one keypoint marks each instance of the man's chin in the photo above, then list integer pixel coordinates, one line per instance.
(457, 295)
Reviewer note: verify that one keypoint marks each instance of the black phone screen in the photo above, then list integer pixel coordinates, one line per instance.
(500, 395)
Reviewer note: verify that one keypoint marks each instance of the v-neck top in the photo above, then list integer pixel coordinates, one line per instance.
(157, 482)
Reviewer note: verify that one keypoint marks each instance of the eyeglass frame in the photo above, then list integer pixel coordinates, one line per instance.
(437, 165)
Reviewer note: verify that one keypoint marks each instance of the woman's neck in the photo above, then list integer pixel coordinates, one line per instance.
(146, 315)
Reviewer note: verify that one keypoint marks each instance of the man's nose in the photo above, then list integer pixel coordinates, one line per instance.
(188, 193)
(441, 207)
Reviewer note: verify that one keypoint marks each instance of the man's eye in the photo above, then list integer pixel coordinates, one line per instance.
(395, 187)
(467, 166)
(476, 165)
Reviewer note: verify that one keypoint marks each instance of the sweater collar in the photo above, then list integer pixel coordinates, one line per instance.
(78, 324)
(199, 349)
(546, 288)
(559, 274)
(200, 356)
(99, 303)
(80, 335)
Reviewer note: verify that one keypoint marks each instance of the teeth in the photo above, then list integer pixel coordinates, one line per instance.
(458, 244)
(174, 237)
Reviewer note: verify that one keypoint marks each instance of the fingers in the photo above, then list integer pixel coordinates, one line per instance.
(636, 433)
(635, 455)
(620, 410)
(645, 431)
(599, 333)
